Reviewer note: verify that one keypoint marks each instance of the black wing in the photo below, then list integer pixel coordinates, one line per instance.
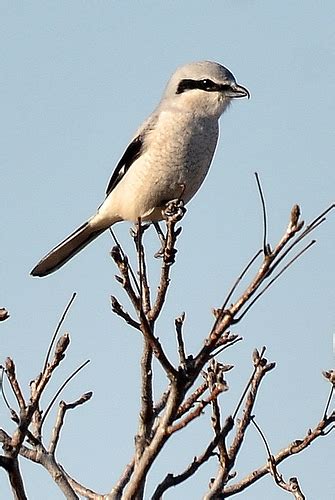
(131, 154)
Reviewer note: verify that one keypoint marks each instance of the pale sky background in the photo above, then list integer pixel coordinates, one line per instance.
(77, 78)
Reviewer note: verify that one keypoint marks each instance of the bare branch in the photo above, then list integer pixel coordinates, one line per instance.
(235, 285)
(58, 327)
(161, 403)
(14, 415)
(191, 400)
(11, 466)
(11, 375)
(172, 214)
(266, 248)
(80, 489)
(257, 357)
(216, 376)
(142, 270)
(180, 341)
(61, 479)
(227, 317)
(64, 384)
(118, 309)
(37, 388)
(116, 491)
(197, 411)
(293, 448)
(227, 340)
(146, 416)
(329, 375)
(63, 407)
(156, 346)
(121, 260)
(258, 296)
(292, 486)
(261, 368)
(171, 480)
(117, 243)
(156, 443)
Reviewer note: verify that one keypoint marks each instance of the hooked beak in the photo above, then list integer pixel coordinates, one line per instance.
(238, 91)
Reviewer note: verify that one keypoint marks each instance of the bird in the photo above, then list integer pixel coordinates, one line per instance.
(168, 157)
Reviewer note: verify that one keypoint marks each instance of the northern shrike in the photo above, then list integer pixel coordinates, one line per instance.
(168, 157)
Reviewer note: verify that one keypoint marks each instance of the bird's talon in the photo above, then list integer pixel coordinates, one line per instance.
(174, 210)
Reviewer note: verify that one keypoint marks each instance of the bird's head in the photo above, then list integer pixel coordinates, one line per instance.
(205, 87)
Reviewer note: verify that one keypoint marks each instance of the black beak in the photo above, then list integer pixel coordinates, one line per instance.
(238, 91)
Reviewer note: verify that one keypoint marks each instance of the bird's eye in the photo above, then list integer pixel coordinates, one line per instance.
(208, 85)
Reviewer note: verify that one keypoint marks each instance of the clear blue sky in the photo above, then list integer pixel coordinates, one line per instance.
(77, 78)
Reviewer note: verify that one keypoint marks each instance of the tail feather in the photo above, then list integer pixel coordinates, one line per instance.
(67, 249)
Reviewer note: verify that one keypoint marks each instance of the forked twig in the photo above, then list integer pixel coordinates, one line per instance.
(258, 359)
(63, 408)
(64, 384)
(118, 244)
(58, 327)
(259, 295)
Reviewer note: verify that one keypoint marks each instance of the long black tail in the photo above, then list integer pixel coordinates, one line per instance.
(67, 249)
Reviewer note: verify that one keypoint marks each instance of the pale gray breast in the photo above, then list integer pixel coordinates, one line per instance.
(182, 148)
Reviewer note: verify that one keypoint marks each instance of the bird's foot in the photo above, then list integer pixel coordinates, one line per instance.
(174, 210)
(135, 230)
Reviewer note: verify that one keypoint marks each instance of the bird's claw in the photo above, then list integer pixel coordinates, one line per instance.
(134, 230)
(174, 210)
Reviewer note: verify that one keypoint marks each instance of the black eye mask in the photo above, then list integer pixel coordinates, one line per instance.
(205, 84)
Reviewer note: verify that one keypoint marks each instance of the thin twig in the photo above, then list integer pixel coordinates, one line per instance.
(156, 346)
(172, 216)
(58, 327)
(124, 256)
(253, 421)
(259, 295)
(160, 405)
(118, 309)
(258, 361)
(142, 271)
(116, 492)
(196, 412)
(320, 219)
(223, 344)
(238, 280)
(192, 399)
(64, 384)
(171, 480)
(2, 369)
(180, 341)
(123, 265)
(330, 397)
(293, 448)
(14, 383)
(292, 486)
(63, 408)
(266, 248)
